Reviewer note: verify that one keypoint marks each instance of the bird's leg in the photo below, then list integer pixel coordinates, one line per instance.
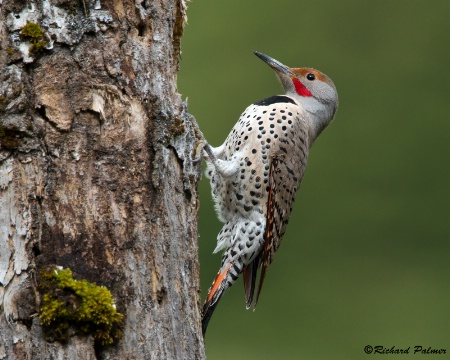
(206, 152)
(201, 143)
(210, 154)
(203, 150)
(214, 155)
(200, 146)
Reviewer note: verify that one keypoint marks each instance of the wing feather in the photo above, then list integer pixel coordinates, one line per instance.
(285, 175)
(268, 247)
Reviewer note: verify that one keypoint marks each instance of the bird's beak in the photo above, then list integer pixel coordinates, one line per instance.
(275, 64)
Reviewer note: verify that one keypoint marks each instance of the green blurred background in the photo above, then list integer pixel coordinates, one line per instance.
(365, 260)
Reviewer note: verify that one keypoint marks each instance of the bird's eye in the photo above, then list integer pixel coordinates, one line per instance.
(311, 76)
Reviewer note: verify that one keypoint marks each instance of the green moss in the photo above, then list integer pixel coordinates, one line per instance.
(10, 51)
(78, 307)
(37, 47)
(33, 32)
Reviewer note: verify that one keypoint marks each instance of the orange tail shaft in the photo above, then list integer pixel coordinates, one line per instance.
(215, 292)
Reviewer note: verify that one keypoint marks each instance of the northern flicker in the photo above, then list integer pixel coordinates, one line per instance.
(256, 173)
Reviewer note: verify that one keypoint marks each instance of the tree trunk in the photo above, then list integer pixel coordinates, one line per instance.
(95, 173)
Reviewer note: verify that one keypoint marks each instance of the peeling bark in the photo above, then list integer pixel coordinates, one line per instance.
(95, 174)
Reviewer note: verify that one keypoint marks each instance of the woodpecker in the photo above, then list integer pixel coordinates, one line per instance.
(256, 173)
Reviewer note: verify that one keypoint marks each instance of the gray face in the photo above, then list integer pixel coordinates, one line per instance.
(304, 83)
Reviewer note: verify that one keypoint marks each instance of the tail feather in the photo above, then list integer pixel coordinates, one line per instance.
(250, 274)
(261, 281)
(265, 260)
(208, 309)
(215, 292)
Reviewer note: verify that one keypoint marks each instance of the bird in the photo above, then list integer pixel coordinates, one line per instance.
(256, 173)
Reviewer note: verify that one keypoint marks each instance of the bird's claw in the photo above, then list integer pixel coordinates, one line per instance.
(198, 151)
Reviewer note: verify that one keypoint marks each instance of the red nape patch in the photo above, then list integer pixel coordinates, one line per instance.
(300, 88)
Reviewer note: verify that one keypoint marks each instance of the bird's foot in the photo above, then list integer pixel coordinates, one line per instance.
(198, 150)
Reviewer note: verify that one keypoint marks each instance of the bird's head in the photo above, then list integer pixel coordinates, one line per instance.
(312, 88)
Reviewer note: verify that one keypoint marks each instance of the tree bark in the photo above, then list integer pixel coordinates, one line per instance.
(95, 173)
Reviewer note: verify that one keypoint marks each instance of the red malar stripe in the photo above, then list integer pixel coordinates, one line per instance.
(300, 88)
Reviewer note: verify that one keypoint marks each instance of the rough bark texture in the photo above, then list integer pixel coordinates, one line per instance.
(95, 173)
